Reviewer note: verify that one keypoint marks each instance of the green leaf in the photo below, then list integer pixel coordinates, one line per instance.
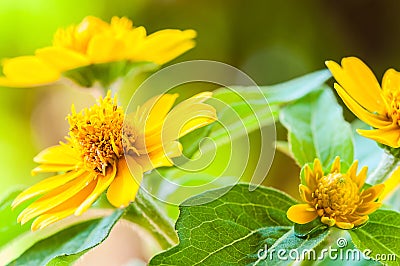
(234, 228)
(72, 241)
(9, 228)
(259, 106)
(380, 235)
(297, 88)
(317, 129)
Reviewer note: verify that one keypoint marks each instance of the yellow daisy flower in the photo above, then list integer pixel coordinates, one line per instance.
(102, 143)
(376, 106)
(94, 41)
(338, 198)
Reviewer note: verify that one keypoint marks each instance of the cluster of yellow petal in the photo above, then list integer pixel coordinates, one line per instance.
(376, 106)
(104, 152)
(94, 41)
(338, 198)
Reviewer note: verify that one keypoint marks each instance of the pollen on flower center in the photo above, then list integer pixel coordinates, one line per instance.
(338, 198)
(97, 134)
(336, 194)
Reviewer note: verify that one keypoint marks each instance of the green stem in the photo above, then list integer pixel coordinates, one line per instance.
(386, 167)
(136, 215)
(145, 212)
(156, 215)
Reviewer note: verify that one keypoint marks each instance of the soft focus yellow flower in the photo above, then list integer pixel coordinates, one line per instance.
(376, 106)
(338, 198)
(94, 41)
(100, 147)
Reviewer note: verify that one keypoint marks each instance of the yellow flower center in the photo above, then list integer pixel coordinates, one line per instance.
(336, 194)
(97, 134)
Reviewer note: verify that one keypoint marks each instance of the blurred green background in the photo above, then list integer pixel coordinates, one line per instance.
(272, 41)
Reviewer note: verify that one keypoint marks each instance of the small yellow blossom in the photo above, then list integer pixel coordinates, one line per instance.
(102, 144)
(377, 106)
(338, 198)
(94, 41)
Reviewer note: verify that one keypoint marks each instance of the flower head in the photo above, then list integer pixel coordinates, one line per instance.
(94, 41)
(377, 106)
(106, 150)
(338, 198)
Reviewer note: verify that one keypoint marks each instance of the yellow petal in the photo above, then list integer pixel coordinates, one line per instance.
(61, 58)
(77, 37)
(360, 221)
(63, 210)
(59, 155)
(126, 183)
(91, 25)
(318, 172)
(133, 41)
(27, 71)
(196, 99)
(389, 136)
(391, 184)
(157, 109)
(360, 178)
(328, 221)
(359, 82)
(106, 48)
(178, 125)
(173, 52)
(46, 219)
(180, 122)
(45, 186)
(352, 172)
(165, 45)
(371, 119)
(301, 214)
(182, 119)
(305, 193)
(367, 208)
(344, 225)
(55, 198)
(52, 168)
(122, 23)
(391, 81)
(163, 156)
(372, 193)
(160, 157)
(310, 178)
(5, 82)
(336, 165)
(101, 185)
